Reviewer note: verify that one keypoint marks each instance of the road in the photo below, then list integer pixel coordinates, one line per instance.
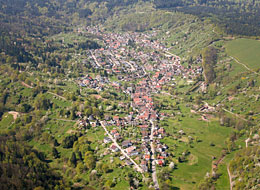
(95, 59)
(131, 65)
(123, 152)
(154, 175)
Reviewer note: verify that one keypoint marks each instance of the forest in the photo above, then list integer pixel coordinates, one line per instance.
(233, 17)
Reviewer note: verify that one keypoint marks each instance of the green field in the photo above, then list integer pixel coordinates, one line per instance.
(247, 51)
(6, 121)
(188, 174)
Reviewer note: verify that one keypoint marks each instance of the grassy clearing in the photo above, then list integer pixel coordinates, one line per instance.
(200, 160)
(69, 38)
(246, 51)
(6, 121)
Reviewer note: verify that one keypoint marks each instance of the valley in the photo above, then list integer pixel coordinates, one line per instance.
(127, 95)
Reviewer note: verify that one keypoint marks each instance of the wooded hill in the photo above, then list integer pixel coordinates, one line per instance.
(233, 16)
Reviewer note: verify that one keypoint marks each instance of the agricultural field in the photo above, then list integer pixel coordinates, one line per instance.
(246, 51)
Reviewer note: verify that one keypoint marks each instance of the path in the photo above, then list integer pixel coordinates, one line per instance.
(247, 141)
(26, 85)
(230, 178)
(131, 65)
(234, 114)
(65, 120)
(14, 114)
(56, 95)
(244, 65)
(154, 175)
(123, 152)
(171, 54)
(238, 116)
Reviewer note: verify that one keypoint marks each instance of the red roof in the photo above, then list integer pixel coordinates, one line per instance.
(147, 156)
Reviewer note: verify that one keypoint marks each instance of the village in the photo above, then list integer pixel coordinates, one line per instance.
(137, 59)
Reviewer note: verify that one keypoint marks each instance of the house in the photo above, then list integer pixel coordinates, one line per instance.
(126, 143)
(133, 153)
(107, 117)
(114, 148)
(147, 157)
(160, 162)
(130, 149)
(161, 130)
(164, 154)
(116, 118)
(144, 165)
(128, 163)
(117, 136)
(145, 133)
(107, 140)
(114, 131)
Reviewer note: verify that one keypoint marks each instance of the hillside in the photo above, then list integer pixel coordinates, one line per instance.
(232, 17)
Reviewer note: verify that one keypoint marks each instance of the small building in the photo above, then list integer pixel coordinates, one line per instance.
(114, 148)
(107, 140)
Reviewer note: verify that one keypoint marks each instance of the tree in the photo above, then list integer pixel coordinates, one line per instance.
(105, 168)
(1, 109)
(80, 156)
(55, 153)
(90, 160)
(55, 142)
(80, 168)
(41, 102)
(73, 160)
(209, 56)
(68, 141)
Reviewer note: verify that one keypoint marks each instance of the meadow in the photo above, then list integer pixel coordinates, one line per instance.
(246, 51)
(208, 142)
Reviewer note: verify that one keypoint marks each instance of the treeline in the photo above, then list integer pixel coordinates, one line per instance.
(245, 168)
(49, 17)
(209, 56)
(13, 47)
(234, 17)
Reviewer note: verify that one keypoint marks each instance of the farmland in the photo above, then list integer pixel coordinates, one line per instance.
(246, 51)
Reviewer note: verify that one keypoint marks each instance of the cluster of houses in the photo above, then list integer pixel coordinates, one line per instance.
(120, 55)
(98, 83)
(131, 56)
